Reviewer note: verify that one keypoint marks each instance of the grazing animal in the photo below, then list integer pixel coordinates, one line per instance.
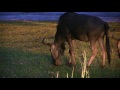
(118, 44)
(73, 26)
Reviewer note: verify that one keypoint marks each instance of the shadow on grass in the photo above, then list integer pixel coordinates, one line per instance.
(16, 63)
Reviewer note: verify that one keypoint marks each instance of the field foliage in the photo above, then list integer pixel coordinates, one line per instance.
(22, 55)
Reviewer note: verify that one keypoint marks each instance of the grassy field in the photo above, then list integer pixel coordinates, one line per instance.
(22, 55)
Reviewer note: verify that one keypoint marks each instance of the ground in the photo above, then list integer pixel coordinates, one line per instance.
(22, 55)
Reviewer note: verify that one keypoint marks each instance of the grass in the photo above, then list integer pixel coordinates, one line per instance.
(22, 55)
(85, 71)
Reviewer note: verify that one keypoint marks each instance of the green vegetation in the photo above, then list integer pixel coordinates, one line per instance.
(22, 55)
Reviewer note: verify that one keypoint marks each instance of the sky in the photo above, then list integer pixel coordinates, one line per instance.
(38, 16)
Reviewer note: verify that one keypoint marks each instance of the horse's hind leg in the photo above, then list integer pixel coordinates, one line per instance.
(93, 45)
(101, 42)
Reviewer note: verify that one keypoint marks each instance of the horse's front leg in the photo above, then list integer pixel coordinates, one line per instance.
(71, 51)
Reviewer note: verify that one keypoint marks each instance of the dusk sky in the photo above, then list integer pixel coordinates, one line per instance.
(37, 16)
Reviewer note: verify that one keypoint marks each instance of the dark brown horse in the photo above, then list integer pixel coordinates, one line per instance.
(81, 27)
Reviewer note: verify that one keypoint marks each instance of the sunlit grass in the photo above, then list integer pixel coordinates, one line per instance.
(85, 71)
(23, 55)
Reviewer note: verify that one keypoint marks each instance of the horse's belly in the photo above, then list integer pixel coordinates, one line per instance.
(81, 37)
